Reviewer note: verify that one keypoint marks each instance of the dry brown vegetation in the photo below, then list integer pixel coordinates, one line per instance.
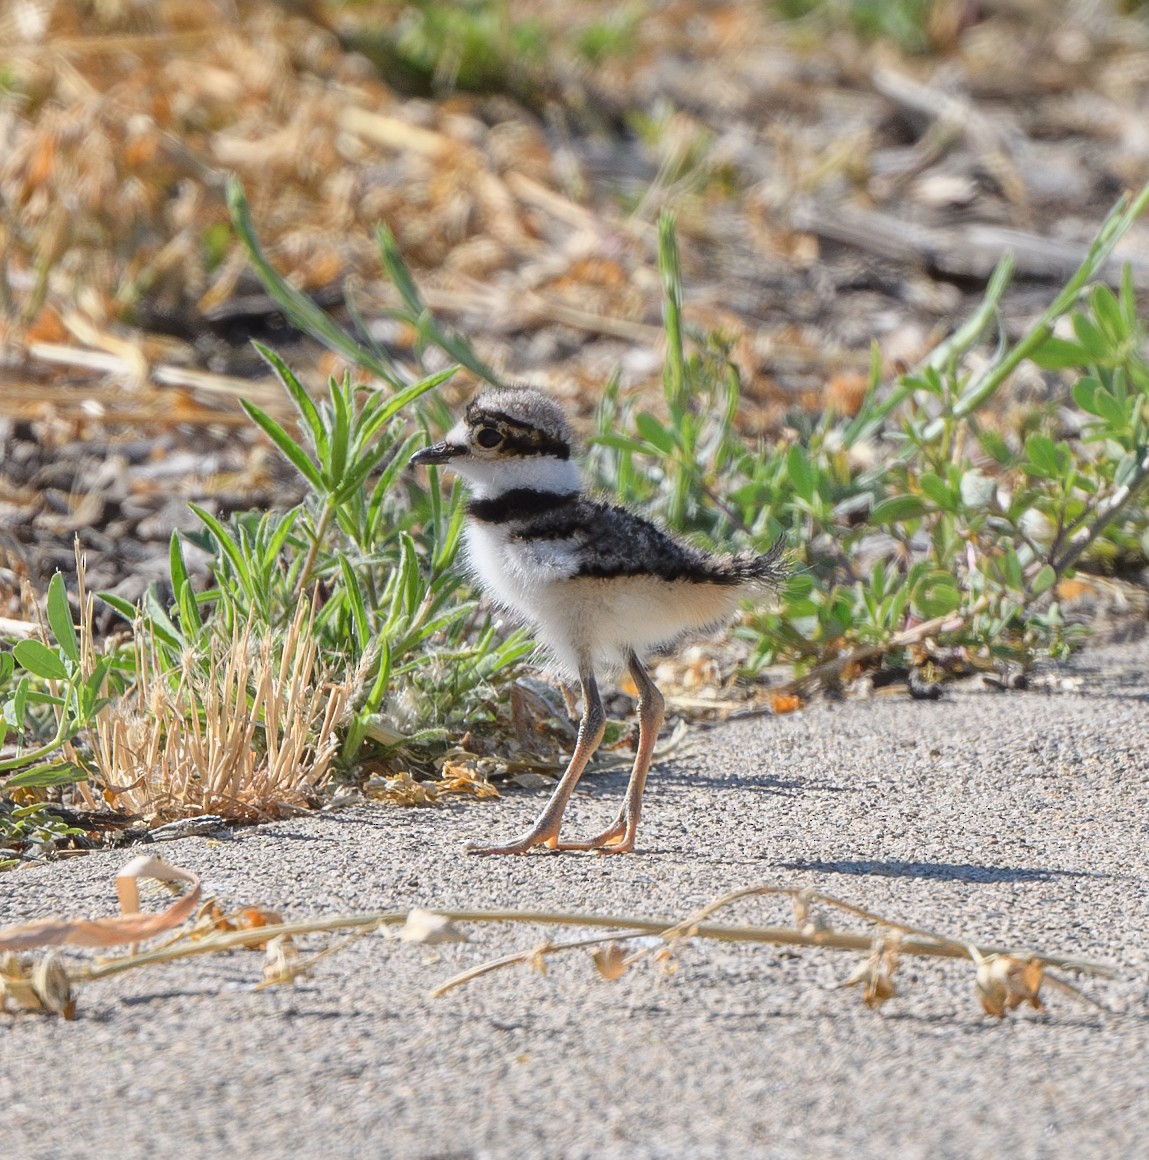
(778, 143)
(253, 742)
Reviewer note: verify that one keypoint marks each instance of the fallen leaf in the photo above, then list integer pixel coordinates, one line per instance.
(131, 927)
(425, 926)
(610, 960)
(1004, 982)
(41, 986)
(876, 975)
(281, 962)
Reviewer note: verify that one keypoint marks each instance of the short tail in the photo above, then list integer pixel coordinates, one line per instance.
(769, 569)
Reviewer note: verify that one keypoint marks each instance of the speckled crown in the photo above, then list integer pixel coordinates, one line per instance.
(537, 419)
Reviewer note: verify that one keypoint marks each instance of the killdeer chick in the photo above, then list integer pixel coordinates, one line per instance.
(600, 585)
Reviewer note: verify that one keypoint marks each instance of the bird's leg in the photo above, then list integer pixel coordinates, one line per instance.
(618, 838)
(545, 831)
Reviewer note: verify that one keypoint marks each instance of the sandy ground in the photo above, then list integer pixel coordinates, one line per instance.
(1015, 818)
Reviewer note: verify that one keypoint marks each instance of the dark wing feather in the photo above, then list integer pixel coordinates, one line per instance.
(611, 541)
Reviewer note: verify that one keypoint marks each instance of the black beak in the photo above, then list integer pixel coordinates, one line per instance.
(437, 453)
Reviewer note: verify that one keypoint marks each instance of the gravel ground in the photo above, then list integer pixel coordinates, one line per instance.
(1008, 818)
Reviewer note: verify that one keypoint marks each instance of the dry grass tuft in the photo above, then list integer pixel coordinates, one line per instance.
(248, 732)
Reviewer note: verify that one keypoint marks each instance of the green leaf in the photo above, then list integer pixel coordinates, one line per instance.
(93, 686)
(1044, 580)
(1046, 458)
(617, 442)
(936, 489)
(40, 661)
(53, 773)
(407, 396)
(303, 401)
(1084, 394)
(798, 586)
(20, 702)
(1110, 408)
(300, 310)
(1108, 313)
(159, 623)
(342, 407)
(801, 473)
(937, 596)
(124, 607)
(294, 454)
(896, 509)
(354, 596)
(654, 432)
(227, 546)
(1096, 345)
(1011, 570)
(674, 371)
(181, 586)
(1126, 470)
(418, 314)
(7, 667)
(1058, 354)
(60, 619)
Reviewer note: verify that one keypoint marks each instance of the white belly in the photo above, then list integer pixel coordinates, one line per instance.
(590, 620)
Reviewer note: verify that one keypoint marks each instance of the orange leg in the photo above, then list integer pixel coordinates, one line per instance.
(545, 831)
(618, 838)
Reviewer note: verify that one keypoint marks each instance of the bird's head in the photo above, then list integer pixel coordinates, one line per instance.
(512, 437)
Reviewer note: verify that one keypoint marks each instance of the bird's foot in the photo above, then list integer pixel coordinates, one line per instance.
(523, 845)
(615, 839)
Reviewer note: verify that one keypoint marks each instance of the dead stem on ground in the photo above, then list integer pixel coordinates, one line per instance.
(1005, 977)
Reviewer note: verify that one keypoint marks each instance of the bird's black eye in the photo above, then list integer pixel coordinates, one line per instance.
(488, 437)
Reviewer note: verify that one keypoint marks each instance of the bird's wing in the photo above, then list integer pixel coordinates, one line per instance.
(601, 540)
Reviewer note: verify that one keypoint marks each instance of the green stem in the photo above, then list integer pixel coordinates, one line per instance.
(1103, 518)
(64, 731)
(313, 550)
(1116, 225)
(674, 373)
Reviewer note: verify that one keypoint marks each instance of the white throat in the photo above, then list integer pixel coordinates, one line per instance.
(489, 478)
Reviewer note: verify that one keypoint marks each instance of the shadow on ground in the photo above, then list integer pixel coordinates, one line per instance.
(947, 871)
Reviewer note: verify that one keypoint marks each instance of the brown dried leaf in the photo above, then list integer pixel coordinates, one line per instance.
(536, 960)
(404, 790)
(876, 975)
(50, 980)
(211, 918)
(131, 927)
(464, 778)
(1004, 982)
(801, 903)
(610, 961)
(42, 986)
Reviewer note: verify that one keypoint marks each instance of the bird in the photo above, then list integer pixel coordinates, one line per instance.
(601, 586)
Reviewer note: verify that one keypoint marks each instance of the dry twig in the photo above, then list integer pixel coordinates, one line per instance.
(1005, 977)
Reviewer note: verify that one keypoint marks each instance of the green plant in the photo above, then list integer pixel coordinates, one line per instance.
(919, 517)
(33, 829)
(56, 688)
(380, 550)
(929, 515)
(475, 45)
(907, 22)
